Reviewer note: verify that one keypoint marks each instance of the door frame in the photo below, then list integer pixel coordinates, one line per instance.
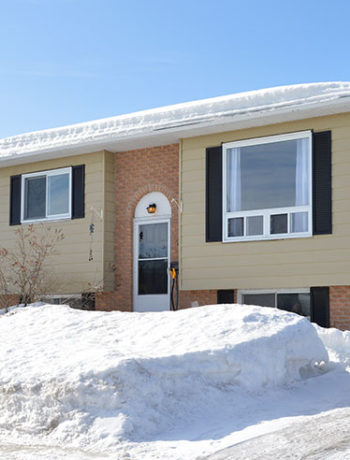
(136, 306)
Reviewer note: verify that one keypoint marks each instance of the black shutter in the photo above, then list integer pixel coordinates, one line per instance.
(320, 306)
(15, 200)
(322, 183)
(214, 194)
(78, 191)
(225, 296)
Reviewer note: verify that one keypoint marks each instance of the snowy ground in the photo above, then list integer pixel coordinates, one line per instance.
(214, 382)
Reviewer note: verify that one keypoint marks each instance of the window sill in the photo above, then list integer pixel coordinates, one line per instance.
(267, 238)
(47, 219)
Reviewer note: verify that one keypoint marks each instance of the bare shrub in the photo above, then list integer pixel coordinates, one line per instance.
(24, 269)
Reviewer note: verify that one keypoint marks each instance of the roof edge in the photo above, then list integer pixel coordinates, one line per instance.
(171, 123)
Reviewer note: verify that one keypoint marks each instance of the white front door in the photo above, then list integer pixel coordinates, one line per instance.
(151, 265)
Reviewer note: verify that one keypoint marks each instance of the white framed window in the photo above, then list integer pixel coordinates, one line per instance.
(46, 195)
(267, 188)
(293, 300)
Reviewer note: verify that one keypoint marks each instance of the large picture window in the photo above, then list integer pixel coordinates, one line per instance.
(46, 195)
(267, 188)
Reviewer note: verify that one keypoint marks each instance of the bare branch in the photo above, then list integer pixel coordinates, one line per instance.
(23, 270)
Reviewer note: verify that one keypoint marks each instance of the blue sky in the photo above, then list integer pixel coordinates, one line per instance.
(68, 61)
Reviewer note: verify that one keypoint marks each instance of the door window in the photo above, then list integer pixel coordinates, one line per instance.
(153, 241)
(153, 259)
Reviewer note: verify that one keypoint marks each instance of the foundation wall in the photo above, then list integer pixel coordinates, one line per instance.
(339, 307)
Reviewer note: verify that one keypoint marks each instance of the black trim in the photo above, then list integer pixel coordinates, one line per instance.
(213, 230)
(320, 305)
(225, 296)
(322, 183)
(78, 192)
(15, 199)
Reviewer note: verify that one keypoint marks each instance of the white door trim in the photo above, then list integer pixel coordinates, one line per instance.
(155, 302)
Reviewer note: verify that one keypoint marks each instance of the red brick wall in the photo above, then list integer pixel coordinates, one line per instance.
(339, 302)
(209, 297)
(139, 172)
(8, 300)
(202, 297)
(107, 301)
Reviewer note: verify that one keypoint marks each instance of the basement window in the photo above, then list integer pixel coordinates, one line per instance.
(292, 300)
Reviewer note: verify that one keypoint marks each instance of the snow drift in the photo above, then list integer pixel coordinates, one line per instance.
(94, 378)
(337, 344)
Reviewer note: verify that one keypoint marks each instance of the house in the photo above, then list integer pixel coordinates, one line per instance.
(249, 193)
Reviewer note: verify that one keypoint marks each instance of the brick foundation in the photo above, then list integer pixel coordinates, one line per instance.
(339, 303)
(107, 301)
(8, 300)
(202, 297)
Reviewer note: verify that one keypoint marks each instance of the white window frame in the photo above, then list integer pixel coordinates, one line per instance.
(266, 213)
(242, 292)
(52, 172)
(275, 292)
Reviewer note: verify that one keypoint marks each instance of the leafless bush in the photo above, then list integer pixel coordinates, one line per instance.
(23, 269)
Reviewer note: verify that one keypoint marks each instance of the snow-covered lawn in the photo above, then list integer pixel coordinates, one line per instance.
(213, 382)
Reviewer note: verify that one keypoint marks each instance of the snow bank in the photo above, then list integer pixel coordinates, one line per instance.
(337, 344)
(15, 308)
(94, 379)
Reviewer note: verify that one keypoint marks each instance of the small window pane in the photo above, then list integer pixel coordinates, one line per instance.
(153, 277)
(35, 197)
(236, 226)
(263, 300)
(153, 241)
(296, 303)
(299, 222)
(58, 190)
(279, 224)
(255, 225)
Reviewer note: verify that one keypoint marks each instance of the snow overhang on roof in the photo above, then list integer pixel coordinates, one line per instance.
(166, 125)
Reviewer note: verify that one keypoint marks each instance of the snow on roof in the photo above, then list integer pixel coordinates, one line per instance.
(169, 124)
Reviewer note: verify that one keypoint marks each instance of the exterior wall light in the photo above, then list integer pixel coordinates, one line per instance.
(152, 208)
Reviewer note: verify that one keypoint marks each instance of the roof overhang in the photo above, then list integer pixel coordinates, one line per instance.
(167, 125)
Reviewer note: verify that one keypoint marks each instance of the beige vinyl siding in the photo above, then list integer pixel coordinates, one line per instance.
(109, 217)
(73, 273)
(320, 260)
